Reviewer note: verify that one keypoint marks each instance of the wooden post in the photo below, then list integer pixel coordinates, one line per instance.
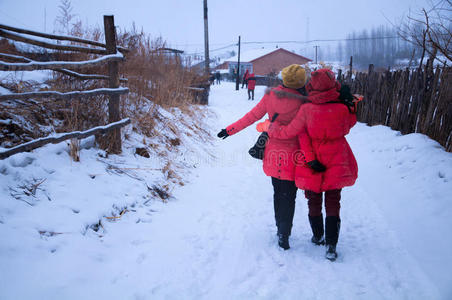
(351, 68)
(206, 41)
(339, 75)
(237, 79)
(114, 138)
(316, 48)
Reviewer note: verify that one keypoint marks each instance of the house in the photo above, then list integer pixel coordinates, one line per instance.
(274, 62)
(201, 65)
(264, 62)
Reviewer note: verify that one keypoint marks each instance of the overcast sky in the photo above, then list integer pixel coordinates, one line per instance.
(180, 22)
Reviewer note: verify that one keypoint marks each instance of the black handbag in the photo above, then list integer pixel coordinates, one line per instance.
(257, 151)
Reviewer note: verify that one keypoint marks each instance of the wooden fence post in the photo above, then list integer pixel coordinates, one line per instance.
(114, 138)
(339, 75)
(351, 70)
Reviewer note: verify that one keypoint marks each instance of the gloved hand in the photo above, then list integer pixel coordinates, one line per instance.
(316, 166)
(356, 99)
(263, 126)
(223, 134)
(345, 94)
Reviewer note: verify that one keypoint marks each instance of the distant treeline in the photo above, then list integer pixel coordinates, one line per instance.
(381, 46)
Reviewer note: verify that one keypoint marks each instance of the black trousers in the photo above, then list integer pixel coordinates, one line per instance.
(250, 93)
(284, 196)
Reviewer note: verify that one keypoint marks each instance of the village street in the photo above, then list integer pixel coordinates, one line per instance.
(216, 238)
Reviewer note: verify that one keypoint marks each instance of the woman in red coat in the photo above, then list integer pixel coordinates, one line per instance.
(280, 153)
(251, 85)
(245, 78)
(321, 126)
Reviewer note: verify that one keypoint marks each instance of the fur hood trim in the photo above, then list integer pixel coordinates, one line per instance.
(283, 94)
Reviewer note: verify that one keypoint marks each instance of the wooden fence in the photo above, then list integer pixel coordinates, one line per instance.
(111, 55)
(409, 101)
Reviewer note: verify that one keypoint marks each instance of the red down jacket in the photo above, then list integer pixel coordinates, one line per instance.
(251, 81)
(322, 126)
(280, 153)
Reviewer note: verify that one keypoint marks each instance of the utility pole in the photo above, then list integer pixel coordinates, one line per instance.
(316, 47)
(237, 83)
(206, 41)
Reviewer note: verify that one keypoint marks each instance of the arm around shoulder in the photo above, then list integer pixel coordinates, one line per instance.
(291, 130)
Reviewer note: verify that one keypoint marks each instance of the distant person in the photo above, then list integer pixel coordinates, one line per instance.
(211, 78)
(251, 85)
(280, 154)
(245, 78)
(218, 77)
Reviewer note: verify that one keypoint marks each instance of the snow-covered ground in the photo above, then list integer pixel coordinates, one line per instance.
(216, 238)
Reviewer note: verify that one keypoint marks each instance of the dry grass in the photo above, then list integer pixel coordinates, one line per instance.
(154, 78)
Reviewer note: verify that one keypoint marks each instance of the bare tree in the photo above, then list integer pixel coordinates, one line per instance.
(431, 30)
(65, 18)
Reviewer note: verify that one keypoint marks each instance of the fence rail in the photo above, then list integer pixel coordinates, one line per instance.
(23, 59)
(111, 57)
(410, 101)
(58, 37)
(64, 96)
(62, 137)
(50, 65)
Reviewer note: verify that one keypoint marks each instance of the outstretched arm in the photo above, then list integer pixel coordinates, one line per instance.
(252, 116)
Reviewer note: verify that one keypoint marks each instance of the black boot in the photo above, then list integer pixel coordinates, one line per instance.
(284, 195)
(332, 227)
(331, 253)
(317, 230)
(283, 241)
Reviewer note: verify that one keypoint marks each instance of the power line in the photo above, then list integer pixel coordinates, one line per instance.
(319, 40)
(301, 42)
(217, 49)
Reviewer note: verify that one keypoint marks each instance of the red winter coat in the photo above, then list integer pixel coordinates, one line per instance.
(280, 154)
(322, 126)
(246, 75)
(251, 82)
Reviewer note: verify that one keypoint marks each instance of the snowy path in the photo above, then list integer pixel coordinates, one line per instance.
(216, 239)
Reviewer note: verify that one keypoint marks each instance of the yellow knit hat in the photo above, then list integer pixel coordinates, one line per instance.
(294, 76)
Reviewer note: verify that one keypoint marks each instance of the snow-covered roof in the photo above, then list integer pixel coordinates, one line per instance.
(249, 55)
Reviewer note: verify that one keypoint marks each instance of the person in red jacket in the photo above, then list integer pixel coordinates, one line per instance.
(321, 126)
(280, 153)
(251, 85)
(245, 78)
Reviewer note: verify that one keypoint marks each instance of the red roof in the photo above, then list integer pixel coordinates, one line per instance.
(282, 50)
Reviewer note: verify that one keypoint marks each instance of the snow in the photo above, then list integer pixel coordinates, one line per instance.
(249, 55)
(118, 55)
(4, 91)
(38, 76)
(122, 90)
(215, 238)
(55, 136)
